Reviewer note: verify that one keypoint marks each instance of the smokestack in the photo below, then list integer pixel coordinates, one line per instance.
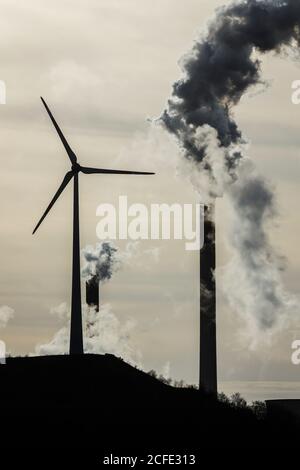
(92, 292)
(222, 67)
(208, 345)
(101, 262)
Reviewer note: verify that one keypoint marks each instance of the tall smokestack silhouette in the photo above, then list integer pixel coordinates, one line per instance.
(92, 292)
(223, 65)
(208, 343)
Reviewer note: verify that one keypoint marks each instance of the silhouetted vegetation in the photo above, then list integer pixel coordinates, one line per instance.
(236, 400)
(170, 381)
(104, 403)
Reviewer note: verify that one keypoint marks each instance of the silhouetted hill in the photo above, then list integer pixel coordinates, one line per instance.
(103, 403)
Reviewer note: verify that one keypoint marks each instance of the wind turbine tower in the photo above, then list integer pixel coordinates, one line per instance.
(76, 337)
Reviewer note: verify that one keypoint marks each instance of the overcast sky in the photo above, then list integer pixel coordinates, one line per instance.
(105, 67)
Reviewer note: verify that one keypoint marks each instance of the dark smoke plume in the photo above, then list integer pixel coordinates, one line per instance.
(219, 70)
(222, 67)
(101, 261)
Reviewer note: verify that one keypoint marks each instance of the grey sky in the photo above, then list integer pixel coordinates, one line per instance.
(104, 67)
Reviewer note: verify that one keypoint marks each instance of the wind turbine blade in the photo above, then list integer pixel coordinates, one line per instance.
(66, 180)
(69, 151)
(87, 170)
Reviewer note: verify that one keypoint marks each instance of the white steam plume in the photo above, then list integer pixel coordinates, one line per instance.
(222, 66)
(6, 314)
(103, 333)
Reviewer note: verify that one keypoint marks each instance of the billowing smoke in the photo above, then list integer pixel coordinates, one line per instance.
(6, 314)
(222, 66)
(100, 261)
(104, 259)
(103, 333)
(219, 70)
(253, 277)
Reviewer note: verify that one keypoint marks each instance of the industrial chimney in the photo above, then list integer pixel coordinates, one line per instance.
(92, 292)
(208, 346)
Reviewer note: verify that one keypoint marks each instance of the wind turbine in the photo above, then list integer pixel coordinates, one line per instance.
(76, 339)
